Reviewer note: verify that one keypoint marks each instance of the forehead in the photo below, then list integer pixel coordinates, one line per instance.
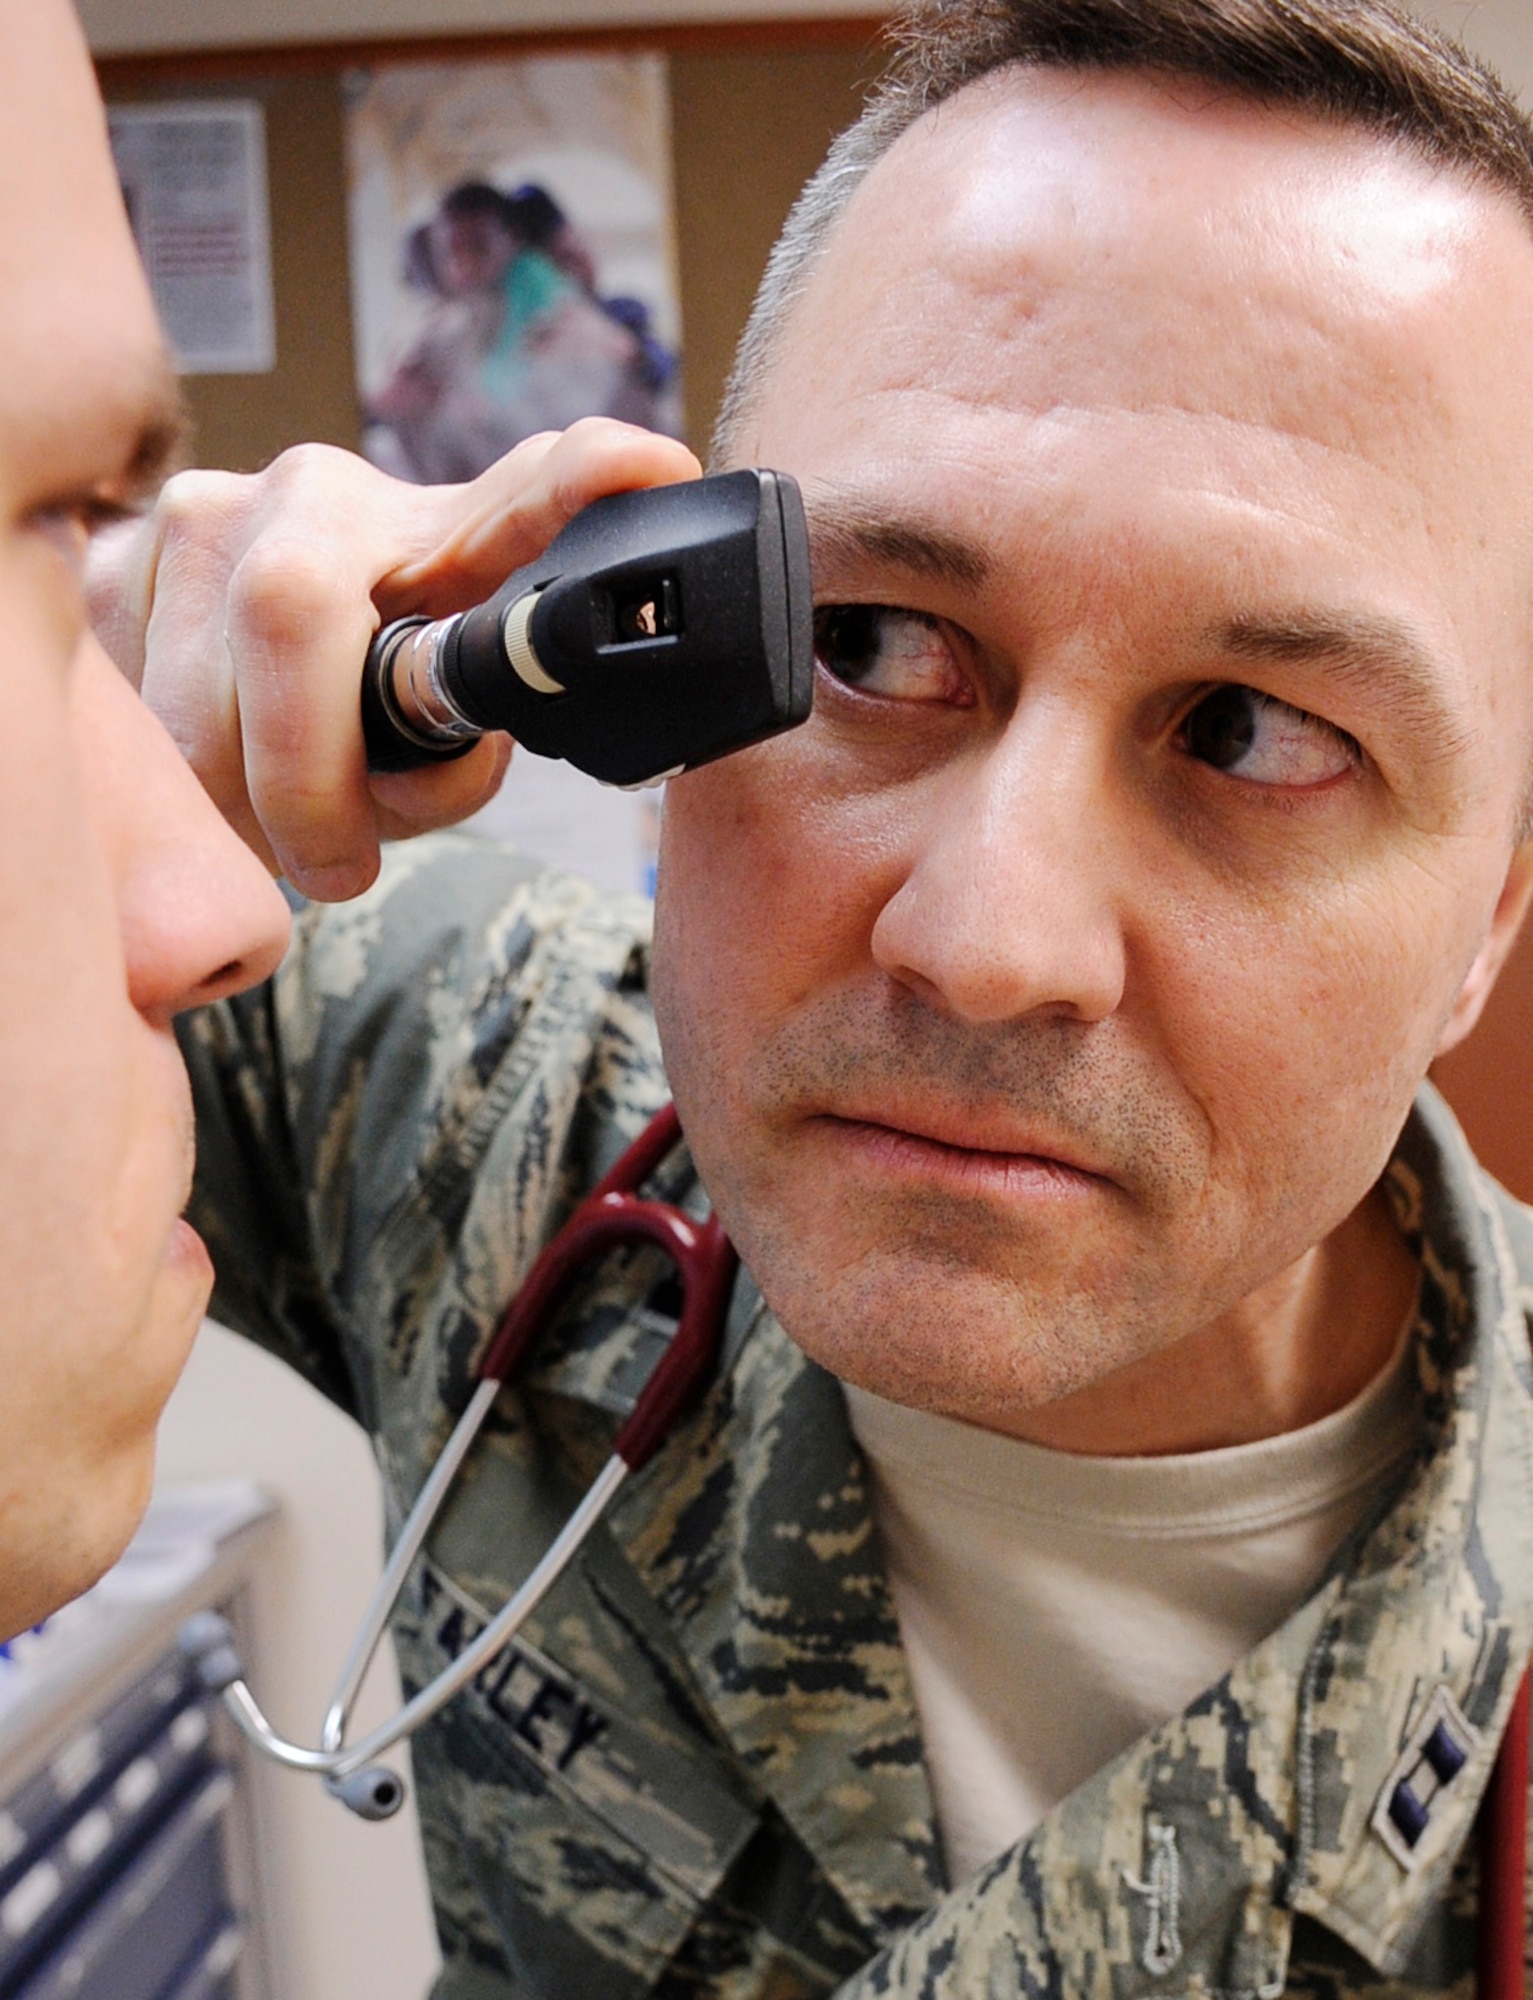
(1099, 328)
(474, 225)
(1048, 244)
(80, 353)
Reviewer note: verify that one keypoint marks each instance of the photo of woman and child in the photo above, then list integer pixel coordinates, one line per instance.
(506, 320)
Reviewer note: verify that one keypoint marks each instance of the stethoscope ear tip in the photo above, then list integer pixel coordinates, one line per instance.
(374, 1792)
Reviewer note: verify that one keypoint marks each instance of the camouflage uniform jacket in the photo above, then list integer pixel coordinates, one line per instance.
(699, 1771)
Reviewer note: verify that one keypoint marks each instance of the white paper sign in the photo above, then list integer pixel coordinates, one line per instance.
(194, 179)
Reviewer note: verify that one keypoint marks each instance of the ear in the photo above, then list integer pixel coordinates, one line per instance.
(1492, 955)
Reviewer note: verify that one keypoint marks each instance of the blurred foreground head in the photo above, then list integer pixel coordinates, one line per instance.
(123, 897)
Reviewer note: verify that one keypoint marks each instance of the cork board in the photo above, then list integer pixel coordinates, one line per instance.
(749, 122)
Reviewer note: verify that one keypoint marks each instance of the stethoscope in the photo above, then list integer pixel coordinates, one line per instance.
(612, 1215)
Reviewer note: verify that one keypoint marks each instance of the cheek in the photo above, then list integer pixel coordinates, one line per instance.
(1303, 1031)
(767, 896)
(769, 888)
(93, 1323)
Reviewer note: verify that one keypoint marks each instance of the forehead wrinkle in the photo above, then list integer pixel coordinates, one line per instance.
(1378, 655)
(847, 532)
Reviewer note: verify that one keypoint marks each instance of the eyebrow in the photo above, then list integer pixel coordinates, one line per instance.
(158, 428)
(845, 533)
(1380, 656)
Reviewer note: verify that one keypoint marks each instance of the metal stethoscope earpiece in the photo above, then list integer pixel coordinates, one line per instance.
(612, 1215)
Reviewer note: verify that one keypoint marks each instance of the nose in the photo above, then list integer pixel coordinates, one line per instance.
(200, 917)
(1010, 904)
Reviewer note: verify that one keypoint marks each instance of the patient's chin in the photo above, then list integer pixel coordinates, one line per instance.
(68, 1531)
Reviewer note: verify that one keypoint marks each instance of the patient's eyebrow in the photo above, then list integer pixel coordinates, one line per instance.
(847, 535)
(158, 432)
(1380, 656)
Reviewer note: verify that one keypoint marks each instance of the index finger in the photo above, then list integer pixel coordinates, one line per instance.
(509, 514)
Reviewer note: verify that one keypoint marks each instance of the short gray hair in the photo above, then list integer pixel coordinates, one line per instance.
(1357, 62)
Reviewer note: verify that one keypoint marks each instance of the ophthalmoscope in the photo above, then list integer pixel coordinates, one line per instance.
(661, 629)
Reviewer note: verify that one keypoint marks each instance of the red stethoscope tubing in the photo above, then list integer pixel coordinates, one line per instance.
(612, 1214)
(1502, 1835)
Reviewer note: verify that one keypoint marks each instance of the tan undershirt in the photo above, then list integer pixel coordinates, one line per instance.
(1054, 1608)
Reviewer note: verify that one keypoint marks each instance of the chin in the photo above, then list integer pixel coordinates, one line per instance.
(956, 1340)
(56, 1546)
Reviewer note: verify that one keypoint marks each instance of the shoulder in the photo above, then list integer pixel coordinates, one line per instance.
(468, 996)
(459, 943)
(458, 904)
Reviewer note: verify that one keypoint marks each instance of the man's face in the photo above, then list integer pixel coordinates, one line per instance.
(1069, 975)
(122, 895)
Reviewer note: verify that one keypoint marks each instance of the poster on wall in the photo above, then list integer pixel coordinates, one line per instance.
(193, 177)
(513, 269)
(511, 249)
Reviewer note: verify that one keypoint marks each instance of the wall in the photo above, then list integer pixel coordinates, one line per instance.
(1500, 31)
(354, 1917)
(130, 27)
(242, 421)
(1489, 1081)
(748, 126)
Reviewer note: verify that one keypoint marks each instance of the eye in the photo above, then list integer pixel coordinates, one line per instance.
(67, 526)
(901, 655)
(1264, 741)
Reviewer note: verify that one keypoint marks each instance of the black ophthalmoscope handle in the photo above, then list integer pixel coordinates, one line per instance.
(661, 629)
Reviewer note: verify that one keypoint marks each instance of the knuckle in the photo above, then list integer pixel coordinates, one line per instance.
(587, 443)
(196, 509)
(310, 465)
(281, 591)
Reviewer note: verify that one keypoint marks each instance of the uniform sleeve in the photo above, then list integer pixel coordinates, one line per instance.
(344, 1108)
(247, 1200)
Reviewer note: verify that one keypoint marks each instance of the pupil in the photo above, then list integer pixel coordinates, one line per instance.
(1222, 728)
(847, 638)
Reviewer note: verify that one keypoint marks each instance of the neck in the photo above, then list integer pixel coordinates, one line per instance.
(1300, 1346)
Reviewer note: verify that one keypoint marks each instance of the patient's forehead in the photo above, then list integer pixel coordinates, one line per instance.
(81, 359)
(1116, 221)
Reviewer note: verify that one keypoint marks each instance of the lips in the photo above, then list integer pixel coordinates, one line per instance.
(185, 1251)
(986, 1144)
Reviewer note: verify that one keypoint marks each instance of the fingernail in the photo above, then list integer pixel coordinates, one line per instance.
(335, 884)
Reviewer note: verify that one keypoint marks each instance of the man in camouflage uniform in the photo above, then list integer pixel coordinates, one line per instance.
(1043, 1019)
(698, 1770)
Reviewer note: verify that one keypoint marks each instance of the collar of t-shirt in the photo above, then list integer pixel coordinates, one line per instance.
(1054, 1608)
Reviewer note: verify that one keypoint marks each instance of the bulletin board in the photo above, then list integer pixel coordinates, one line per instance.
(753, 110)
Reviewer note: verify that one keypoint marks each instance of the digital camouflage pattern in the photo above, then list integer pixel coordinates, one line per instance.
(699, 1771)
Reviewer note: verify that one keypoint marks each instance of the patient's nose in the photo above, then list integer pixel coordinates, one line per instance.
(200, 916)
(1010, 904)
